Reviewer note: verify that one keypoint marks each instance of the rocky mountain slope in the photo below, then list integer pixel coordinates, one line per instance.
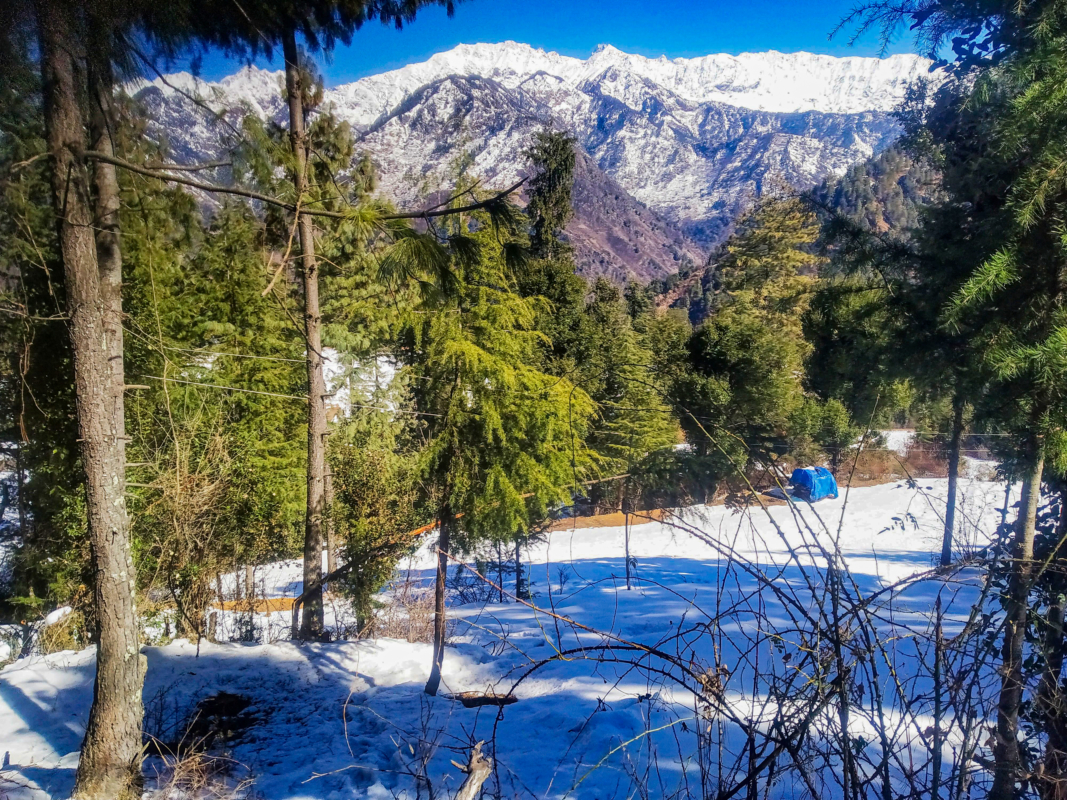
(675, 147)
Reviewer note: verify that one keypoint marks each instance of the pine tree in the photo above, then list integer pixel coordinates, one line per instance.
(747, 358)
(375, 468)
(217, 436)
(591, 341)
(633, 421)
(38, 406)
(504, 440)
(111, 750)
(249, 29)
(552, 159)
(1002, 154)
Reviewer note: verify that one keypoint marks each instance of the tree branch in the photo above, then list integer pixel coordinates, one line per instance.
(154, 172)
(190, 167)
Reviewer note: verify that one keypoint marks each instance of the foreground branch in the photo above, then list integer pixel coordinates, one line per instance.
(155, 171)
(477, 770)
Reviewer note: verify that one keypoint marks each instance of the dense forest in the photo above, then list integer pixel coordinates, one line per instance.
(212, 368)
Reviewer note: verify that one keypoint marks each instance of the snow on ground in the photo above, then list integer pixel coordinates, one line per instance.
(899, 440)
(349, 719)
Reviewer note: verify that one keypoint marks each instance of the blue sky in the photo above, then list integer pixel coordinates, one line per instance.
(574, 27)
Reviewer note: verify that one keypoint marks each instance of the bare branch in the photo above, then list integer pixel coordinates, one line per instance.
(154, 172)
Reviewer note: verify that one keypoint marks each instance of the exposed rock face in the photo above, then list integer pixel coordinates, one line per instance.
(675, 148)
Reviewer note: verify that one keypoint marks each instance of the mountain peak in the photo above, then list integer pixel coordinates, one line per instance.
(692, 139)
(768, 81)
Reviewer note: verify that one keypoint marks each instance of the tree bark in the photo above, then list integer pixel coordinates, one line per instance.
(953, 479)
(1050, 705)
(1006, 749)
(1049, 698)
(102, 124)
(499, 573)
(111, 751)
(939, 655)
(433, 683)
(478, 770)
(518, 570)
(20, 476)
(312, 624)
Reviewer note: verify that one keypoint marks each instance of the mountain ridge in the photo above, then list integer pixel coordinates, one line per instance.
(691, 141)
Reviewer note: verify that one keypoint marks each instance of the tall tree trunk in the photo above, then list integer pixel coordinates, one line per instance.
(939, 657)
(1006, 750)
(312, 625)
(500, 573)
(519, 590)
(1049, 698)
(953, 479)
(102, 122)
(433, 683)
(111, 751)
(20, 476)
(625, 508)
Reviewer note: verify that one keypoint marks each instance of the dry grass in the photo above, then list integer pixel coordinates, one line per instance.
(613, 520)
(407, 614)
(199, 775)
(67, 634)
(262, 605)
(179, 742)
(925, 461)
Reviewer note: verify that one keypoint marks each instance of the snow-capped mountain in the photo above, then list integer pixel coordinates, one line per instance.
(692, 140)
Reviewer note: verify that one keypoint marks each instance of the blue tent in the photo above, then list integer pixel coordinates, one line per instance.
(814, 483)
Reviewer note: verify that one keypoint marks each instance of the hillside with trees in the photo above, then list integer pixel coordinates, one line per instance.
(310, 490)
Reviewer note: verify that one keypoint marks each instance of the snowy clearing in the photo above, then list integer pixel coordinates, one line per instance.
(349, 719)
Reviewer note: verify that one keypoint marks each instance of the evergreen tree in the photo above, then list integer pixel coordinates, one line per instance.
(885, 194)
(747, 358)
(504, 439)
(221, 464)
(633, 420)
(552, 159)
(375, 470)
(38, 407)
(1002, 153)
(851, 329)
(249, 29)
(84, 203)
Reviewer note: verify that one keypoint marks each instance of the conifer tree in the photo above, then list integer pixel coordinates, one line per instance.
(257, 27)
(109, 765)
(38, 407)
(1003, 154)
(375, 468)
(552, 159)
(504, 439)
(591, 340)
(216, 437)
(747, 358)
(633, 420)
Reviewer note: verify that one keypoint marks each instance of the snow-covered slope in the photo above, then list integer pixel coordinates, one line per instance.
(349, 719)
(692, 139)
